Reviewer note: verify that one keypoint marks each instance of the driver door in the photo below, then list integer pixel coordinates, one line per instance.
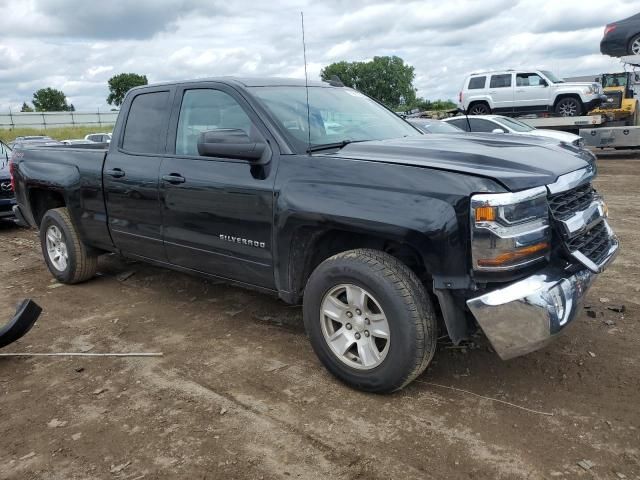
(217, 212)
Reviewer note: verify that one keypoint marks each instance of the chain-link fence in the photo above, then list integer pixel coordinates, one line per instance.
(56, 119)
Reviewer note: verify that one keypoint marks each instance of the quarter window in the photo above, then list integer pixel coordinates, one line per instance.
(476, 83)
(144, 131)
(500, 81)
(204, 110)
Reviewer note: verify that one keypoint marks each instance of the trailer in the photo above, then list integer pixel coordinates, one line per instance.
(569, 124)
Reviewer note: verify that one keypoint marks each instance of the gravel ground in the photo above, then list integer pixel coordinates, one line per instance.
(240, 394)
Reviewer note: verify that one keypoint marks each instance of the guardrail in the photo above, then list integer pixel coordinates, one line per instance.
(56, 119)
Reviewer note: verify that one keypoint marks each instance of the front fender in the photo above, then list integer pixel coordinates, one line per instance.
(426, 209)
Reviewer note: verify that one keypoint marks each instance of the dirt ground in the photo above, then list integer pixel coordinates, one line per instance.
(240, 394)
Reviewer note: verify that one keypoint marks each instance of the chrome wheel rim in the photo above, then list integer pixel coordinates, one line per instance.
(355, 327)
(478, 110)
(57, 248)
(568, 108)
(635, 47)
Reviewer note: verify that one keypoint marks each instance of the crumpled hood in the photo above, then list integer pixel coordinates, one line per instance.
(516, 161)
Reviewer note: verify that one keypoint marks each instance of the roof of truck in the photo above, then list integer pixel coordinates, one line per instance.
(247, 82)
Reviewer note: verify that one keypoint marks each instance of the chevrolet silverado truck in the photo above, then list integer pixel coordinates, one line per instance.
(385, 235)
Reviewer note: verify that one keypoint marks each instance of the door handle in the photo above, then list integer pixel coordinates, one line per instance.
(173, 178)
(115, 172)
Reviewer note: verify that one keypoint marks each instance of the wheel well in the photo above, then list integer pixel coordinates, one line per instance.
(567, 95)
(310, 249)
(42, 200)
(475, 102)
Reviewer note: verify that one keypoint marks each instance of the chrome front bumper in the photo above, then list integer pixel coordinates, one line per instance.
(529, 313)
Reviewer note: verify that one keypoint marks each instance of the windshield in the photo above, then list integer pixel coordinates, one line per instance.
(514, 125)
(614, 80)
(552, 78)
(337, 115)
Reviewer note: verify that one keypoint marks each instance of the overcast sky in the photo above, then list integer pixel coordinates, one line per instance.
(76, 45)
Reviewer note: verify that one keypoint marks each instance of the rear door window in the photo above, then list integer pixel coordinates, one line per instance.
(500, 81)
(460, 123)
(145, 130)
(476, 83)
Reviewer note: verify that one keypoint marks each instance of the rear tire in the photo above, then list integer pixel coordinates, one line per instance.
(480, 108)
(68, 259)
(382, 353)
(569, 107)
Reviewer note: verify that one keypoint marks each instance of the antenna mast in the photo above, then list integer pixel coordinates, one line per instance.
(306, 82)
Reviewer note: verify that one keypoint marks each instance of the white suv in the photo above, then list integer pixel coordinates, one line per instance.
(527, 91)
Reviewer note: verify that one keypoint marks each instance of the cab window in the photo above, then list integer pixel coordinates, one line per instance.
(203, 110)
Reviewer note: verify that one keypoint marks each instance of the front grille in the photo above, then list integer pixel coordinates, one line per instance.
(593, 244)
(564, 204)
(5, 189)
(614, 100)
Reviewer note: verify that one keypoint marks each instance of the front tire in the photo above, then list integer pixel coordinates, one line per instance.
(67, 258)
(569, 107)
(369, 320)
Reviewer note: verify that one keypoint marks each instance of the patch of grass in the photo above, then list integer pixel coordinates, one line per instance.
(60, 133)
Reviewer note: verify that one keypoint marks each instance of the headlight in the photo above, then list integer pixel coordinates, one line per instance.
(509, 230)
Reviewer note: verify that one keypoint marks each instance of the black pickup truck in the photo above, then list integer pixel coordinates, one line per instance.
(386, 236)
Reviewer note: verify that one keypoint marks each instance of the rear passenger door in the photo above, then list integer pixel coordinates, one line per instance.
(130, 175)
(501, 91)
(217, 212)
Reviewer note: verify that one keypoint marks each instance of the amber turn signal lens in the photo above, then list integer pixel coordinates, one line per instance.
(485, 214)
(509, 258)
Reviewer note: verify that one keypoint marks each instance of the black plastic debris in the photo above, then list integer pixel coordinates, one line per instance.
(26, 315)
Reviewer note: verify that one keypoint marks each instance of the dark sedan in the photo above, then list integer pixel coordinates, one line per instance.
(7, 197)
(622, 37)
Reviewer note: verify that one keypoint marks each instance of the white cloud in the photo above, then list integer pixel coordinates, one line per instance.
(76, 45)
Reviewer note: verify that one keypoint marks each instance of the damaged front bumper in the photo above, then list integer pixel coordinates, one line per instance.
(529, 313)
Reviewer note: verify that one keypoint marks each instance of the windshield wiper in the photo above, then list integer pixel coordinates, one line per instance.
(327, 146)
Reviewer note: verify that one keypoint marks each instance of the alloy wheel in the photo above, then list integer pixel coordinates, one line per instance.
(355, 327)
(57, 248)
(635, 46)
(568, 108)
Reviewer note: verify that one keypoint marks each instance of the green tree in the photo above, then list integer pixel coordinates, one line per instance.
(387, 79)
(120, 84)
(50, 100)
(26, 107)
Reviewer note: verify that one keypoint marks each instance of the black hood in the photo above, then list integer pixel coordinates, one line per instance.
(516, 161)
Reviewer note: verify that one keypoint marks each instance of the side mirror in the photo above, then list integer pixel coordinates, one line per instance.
(597, 79)
(544, 83)
(232, 143)
(498, 130)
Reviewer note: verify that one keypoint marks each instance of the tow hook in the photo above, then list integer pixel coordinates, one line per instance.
(25, 317)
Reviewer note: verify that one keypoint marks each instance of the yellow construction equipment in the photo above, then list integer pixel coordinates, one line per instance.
(622, 91)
